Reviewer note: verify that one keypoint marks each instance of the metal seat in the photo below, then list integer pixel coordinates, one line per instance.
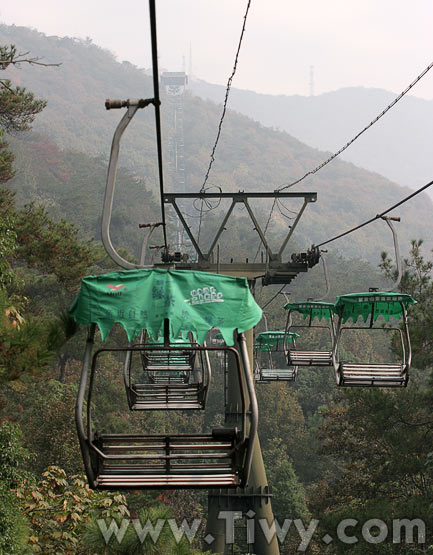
(373, 375)
(309, 358)
(197, 461)
(279, 374)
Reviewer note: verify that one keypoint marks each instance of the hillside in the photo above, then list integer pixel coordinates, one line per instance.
(250, 156)
(397, 147)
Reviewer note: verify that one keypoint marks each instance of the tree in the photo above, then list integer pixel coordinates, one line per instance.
(18, 108)
(14, 530)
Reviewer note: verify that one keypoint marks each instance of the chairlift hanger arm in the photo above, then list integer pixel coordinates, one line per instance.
(388, 220)
(132, 105)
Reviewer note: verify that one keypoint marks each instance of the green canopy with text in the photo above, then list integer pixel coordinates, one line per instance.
(270, 340)
(378, 303)
(144, 298)
(312, 309)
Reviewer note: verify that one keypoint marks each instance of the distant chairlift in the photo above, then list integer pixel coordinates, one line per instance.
(171, 378)
(267, 343)
(320, 319)
(167, 301)
(368, 307)
(313, 311)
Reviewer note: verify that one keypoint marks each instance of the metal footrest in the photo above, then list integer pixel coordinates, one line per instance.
(162, 397)
(372, 375)
(283, 375)
(130, 461)
(309, 358)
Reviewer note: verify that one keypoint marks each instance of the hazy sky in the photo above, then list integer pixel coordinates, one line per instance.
(370, 43)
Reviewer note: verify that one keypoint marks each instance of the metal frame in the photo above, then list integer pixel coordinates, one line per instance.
(271, 374)
(238, 198)
(272, 269)
(370, 374)
(161, 392)
(308, 358)
(233, 445)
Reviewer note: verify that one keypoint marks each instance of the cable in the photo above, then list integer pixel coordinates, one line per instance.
(393, 103)
(275, 296)
(229, 83)
(378, 216)
(157, 103)
(266, 226)
(414, 82)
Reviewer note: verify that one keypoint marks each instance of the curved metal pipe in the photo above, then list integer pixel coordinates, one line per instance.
(328, 285)
(254, 408)
(132, 106)
(79, 405)
(397, 251)
(127, 377)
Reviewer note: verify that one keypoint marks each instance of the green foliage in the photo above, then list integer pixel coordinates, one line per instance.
(8, 237)
(6, 160)
(47, 420)
(13, 526)
(288, 495)
(59, 507)
(380, 441)
(12, 454)
(51, 246)
(18, 108)
(27, 347)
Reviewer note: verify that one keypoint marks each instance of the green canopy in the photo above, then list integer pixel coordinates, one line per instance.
(143, 299)
(267, 340)
(313, 309)
(381, 303)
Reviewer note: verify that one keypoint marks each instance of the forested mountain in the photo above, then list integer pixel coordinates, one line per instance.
(331, 453)
(249, 156)
(397, 147)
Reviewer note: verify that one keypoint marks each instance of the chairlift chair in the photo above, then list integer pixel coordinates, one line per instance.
(158, 300)
(310, 310)
(173, 377)
(266, 343)
(368, 307)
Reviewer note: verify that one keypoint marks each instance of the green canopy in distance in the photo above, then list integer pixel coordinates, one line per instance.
(144, 298)
(386, 304)
(268, 340)
(313, 309)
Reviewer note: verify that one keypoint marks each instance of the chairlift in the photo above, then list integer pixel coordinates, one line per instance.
(368, 307)
(267, 370)
(167, 303)
(170, 378)
(319, 316)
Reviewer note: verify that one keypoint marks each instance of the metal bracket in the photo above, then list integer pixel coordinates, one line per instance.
(273, 267)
